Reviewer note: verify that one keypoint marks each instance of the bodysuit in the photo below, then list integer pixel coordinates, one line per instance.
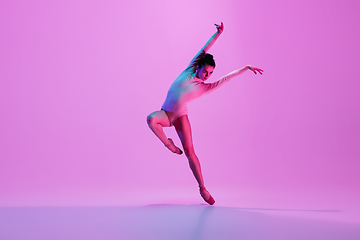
(188, 87)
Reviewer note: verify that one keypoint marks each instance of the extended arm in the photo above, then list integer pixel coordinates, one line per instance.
(227, 77)
(242, 70)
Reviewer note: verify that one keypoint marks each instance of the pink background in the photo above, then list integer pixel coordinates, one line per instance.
(78, 78)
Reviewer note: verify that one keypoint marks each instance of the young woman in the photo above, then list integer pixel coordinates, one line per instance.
(189, 85)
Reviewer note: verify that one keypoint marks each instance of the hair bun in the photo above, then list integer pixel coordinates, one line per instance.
(209, 56)
(207, 59)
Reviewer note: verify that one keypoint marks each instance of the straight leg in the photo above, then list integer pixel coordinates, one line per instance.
(183, 129)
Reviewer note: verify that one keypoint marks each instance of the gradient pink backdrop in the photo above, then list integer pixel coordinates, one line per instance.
(78, 78)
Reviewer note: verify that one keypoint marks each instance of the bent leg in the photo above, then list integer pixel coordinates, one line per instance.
(183, 129)
(156, 121)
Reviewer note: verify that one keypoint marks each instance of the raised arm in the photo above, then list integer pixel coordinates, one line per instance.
(211, 41)
(194, 62)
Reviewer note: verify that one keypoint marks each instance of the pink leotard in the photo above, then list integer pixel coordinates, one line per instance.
(188, 87)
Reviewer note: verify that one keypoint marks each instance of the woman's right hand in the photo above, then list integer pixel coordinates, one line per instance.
(220, 28)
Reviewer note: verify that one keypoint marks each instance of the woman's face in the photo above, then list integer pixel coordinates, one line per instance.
(204, 72)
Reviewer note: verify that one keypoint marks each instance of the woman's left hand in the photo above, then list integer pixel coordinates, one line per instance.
(220, 28)
(255, 69)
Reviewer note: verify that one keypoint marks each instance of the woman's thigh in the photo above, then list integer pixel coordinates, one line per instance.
(159, 117)
(183, 129)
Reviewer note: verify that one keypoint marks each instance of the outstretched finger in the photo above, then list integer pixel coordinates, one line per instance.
(259, 70)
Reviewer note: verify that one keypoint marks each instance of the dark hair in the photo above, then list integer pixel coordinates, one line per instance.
(208, 59)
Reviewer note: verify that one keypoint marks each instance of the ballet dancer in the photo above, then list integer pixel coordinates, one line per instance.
(189, 85)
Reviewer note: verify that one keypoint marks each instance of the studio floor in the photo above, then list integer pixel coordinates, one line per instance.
(187, 220)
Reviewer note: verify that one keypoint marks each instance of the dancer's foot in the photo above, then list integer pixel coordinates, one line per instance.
(171, 146)
(206, 196)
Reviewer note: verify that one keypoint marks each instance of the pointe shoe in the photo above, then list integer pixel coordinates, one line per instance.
(203, 192)
(171, 146)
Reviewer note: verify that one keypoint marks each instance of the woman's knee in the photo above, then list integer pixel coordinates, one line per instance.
(158, 118)
(151, 119)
